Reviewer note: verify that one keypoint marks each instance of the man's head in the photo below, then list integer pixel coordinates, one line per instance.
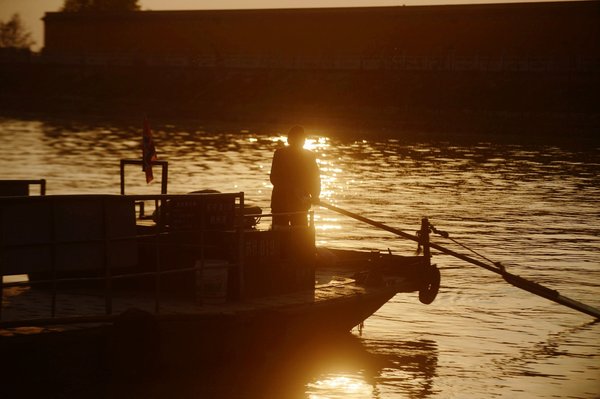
(296, 137)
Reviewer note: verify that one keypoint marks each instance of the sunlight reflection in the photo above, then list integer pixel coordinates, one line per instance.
(327, 227)
(327, 223)
(312, 143)
(316, 143)
(339, 386)
(327, 193)
(332, 170)
(280, 137)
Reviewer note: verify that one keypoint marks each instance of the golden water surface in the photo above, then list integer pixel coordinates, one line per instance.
(533, 207)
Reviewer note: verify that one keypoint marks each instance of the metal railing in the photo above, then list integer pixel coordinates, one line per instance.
(157, 237)
(20, 187)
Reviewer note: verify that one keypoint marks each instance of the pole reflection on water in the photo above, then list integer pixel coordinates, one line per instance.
(532, 207)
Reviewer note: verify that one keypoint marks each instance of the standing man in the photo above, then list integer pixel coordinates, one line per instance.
(296, 180)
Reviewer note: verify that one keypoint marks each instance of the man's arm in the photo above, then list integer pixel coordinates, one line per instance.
(315, 189)
(276, 173)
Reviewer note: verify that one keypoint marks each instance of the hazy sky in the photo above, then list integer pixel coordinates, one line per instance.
(32, 11)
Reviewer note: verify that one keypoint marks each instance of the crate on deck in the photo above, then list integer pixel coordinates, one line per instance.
(276, 261)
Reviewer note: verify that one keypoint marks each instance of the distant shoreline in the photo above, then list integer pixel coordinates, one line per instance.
(559, 128)
(557, 106)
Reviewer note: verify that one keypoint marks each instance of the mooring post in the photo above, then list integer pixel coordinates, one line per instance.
(122, 176)
(108, 289)
(430, 274)
(424, 239)
(241, 247)
(1, 271)
(53, 257)
(162, 204)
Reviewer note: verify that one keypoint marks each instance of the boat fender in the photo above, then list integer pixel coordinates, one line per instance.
(431, 285)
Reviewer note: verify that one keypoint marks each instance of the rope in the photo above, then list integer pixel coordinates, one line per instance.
(515, 280)
(445, 234)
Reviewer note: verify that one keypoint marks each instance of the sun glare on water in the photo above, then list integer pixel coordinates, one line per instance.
(339, 386)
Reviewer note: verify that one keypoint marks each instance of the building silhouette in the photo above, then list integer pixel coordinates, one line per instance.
(527, 36)
(489, 67)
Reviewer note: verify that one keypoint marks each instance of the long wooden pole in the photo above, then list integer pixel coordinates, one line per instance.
(513, 279)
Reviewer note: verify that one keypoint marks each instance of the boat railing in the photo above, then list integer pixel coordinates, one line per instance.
(97, 239)
(12, 188)
(98, 242)
(164, 167)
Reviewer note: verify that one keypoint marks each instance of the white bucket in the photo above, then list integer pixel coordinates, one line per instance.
(211, 281)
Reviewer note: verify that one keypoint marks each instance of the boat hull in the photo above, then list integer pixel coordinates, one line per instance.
(263, 327)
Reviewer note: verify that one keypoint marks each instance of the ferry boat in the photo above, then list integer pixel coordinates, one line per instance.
(203, 276)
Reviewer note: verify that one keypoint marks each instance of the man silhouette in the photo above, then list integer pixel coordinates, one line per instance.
(296, 180)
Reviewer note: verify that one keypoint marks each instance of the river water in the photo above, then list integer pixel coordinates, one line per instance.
(534, 207)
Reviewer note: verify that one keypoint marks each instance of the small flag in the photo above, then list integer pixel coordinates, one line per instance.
(148, 152)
